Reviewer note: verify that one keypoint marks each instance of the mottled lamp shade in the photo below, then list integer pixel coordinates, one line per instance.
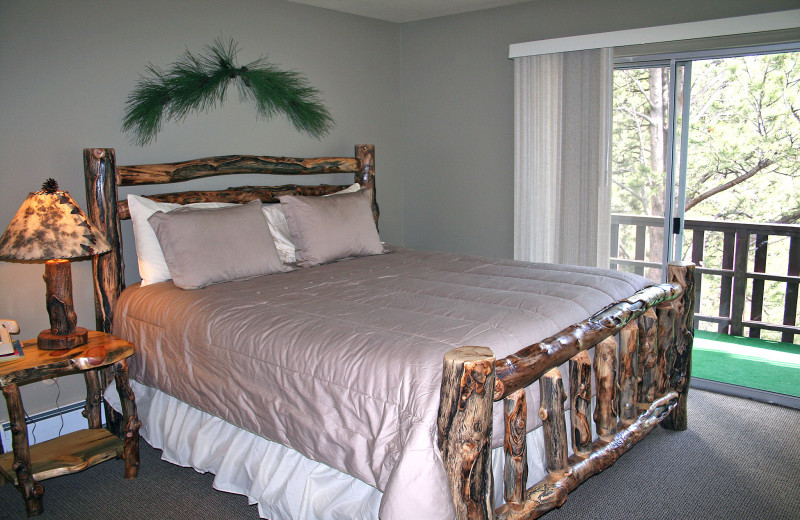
(50, 226)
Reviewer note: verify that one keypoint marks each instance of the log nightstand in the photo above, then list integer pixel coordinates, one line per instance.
(27, 465)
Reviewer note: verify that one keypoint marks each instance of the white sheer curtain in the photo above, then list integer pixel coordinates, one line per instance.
(562, 157)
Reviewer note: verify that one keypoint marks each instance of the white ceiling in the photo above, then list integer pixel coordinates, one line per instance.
(406, 10)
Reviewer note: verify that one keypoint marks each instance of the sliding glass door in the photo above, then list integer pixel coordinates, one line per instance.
(710, 145)
(650, 129)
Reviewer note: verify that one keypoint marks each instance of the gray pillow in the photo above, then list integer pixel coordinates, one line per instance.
(205, 246)
(325, 229)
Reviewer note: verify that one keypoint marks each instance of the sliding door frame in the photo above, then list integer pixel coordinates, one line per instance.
(675, 189)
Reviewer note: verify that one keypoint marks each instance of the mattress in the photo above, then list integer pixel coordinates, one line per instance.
(342, 362)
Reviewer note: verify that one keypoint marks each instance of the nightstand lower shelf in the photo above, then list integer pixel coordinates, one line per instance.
(70, 453)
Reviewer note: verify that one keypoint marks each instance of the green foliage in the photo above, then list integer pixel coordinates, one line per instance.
(198, 83)
(744, 125)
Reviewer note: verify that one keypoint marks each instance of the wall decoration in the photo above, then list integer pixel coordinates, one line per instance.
(196, 83)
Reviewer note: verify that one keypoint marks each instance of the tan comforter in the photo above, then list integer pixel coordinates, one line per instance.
(342, 362)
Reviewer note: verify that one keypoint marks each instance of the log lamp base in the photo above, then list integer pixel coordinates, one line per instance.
(63, 332)
(49, 341)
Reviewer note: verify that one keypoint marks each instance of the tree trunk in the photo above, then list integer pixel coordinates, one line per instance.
(658, 142)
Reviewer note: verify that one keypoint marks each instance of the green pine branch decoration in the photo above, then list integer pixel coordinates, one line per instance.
(198, 83)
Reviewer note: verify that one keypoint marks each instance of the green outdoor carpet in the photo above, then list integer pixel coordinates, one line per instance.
(754, 363)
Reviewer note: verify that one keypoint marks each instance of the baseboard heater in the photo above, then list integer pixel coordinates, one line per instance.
(48, 424)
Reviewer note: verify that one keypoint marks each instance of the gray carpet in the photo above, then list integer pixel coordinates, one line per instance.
(739, 460)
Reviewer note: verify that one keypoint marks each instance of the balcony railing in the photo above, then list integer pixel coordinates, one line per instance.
(743, 264)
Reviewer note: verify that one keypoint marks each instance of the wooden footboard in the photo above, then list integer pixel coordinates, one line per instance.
(640, 383)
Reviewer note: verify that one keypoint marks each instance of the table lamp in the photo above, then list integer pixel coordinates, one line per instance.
(50, 226)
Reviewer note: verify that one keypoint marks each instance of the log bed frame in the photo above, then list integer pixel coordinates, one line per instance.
(655, 328)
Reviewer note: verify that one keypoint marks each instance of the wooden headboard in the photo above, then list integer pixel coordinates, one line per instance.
(105, 210)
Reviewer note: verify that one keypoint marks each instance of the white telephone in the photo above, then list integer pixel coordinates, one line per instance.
(7, 327)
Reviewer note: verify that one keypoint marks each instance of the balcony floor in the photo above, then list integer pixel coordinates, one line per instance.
(753, 363)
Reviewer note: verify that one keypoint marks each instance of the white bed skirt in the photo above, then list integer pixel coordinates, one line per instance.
(284, 484)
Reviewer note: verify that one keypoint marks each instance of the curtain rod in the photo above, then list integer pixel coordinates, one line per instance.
(662, 33)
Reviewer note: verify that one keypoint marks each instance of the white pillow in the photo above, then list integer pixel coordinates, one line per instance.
(350, 189)
(152, 265)
(280, 229)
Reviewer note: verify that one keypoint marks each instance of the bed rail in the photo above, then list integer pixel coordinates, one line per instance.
(646, 387)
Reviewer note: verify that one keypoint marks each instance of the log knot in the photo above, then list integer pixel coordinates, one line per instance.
(96, 355)
(474, 381)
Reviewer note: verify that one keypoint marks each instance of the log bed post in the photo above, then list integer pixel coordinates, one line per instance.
(100, 176)
(101, 207)
(681, 273)
(365, 153)
(465, 429)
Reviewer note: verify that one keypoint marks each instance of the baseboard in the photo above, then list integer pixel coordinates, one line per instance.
(755, 394)
(48, 424)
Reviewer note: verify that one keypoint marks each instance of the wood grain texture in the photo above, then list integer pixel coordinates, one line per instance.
(552, 395)
(628, 373)
(465, 429)
(99, 351)
(130, 419)
(94, 399)
(515, 471)
(235, 195)
(365, 154)
(580, 392)
(648, 359)
(60, 307)
(18, 463)
(665, 340)
(99, 165)
(682, 273)
(71, 453)
(528, 364)
(605, 374)
(552, 491)
(166, 173)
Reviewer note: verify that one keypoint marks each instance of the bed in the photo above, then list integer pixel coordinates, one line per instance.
(390, 381)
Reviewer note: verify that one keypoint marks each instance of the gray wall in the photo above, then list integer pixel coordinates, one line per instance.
(68, 66)
(458, 101)
(434, 96)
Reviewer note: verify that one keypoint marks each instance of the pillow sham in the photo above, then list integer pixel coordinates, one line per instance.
(324, 229)
(280, 229)
(205, 246)
(152, 266)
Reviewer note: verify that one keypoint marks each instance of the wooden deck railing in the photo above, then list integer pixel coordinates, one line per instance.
(745, 247)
